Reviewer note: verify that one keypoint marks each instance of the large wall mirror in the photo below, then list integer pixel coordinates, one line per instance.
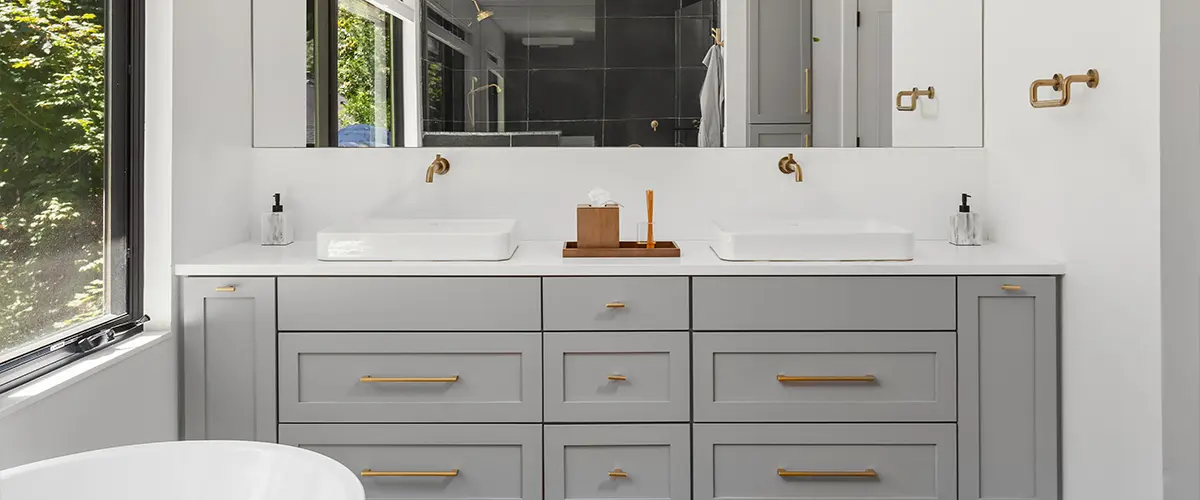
(618, 73)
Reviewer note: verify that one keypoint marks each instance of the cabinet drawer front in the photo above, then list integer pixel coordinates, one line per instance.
(618, 461)
(410, 304)
(860, 462)
(460, 462)
(617, 377)
(410, 377)
(608, 304)
(823, 304)
(825, 377)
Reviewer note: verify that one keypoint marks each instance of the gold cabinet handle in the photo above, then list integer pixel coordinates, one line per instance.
(615, 305)
(367, 379)
(227, 289)
(863, 379)
(1011, 288)
(371, 473)
(619, 378)
(807, 91)
(804, 473)
(618, 473)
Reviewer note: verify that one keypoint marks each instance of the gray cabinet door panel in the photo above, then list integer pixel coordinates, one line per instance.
(492, 461)
(909, 461)
(229, 358)
(823, 303)
(1008, 407)
(648, 304)
(891, 377)
(781, 136)
(654, 372)
(651, 462)
(780, 53)
(449, 377)
(410, 304)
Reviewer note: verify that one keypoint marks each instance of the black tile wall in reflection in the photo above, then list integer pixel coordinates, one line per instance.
(631, 62)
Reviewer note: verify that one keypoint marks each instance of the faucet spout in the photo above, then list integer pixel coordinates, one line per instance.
(440, 166)
(789, 165)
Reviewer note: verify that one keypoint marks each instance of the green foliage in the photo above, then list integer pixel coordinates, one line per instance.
(52, 131)
(363, 50)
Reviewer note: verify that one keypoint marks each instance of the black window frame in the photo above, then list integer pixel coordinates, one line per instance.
(123, 199)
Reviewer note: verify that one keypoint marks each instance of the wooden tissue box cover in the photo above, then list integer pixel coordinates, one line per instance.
(598, 227)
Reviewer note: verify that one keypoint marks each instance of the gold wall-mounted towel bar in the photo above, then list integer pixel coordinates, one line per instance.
(914, 94)
(1061, 84)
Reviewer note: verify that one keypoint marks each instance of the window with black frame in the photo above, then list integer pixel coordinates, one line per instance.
(70, 180)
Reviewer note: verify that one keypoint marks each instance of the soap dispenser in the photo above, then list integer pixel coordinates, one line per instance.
(965, 227)
(276, 231)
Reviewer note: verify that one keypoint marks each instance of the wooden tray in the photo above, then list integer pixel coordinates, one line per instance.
(630, 249)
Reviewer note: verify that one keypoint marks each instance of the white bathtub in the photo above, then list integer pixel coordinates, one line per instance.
(185, 470)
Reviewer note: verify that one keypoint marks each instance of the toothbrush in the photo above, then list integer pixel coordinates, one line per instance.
(650, 218)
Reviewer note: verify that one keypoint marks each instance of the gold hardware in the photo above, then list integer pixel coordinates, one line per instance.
(807, 141)
(915, 94)
(801, 473)
(440, 166)
(371, 473)
(864, 378)
(654, 125)
(1061, 84)
(618, 473)
(789, 165)
(227, 289)
(716, 35)
(614, 305)
(481, 14)
(807, 91)
(367, 379)
(1011, 288)
(619, 378)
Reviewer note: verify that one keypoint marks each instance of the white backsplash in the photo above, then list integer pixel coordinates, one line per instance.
(918, 189)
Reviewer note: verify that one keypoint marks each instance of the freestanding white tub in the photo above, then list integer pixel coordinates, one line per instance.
(184, 470)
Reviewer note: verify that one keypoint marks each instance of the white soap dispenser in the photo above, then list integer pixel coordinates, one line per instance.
(966, 230)
(276, 230)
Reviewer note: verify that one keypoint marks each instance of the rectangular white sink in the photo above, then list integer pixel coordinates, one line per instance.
(419, 240)
(811, 240)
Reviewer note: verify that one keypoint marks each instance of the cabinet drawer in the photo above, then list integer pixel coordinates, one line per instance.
(651, 462)
(861, 462)
(617, 377)
(410, 377)
(410, 304)
(825, 377)
(823, 304)
(459, 462)
(600, 304)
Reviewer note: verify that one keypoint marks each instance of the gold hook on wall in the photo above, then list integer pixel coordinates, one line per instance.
(915, 94)
(1061, 84)
(716, 34)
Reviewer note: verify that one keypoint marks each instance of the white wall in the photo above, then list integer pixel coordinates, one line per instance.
(1181, 248)
(1083, 182)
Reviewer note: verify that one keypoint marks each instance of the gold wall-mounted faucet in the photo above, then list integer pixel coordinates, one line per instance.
(789, 165)
(440, 166)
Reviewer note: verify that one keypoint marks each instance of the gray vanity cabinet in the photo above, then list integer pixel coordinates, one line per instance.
(229, 358)
(1008, 407)
(595, 462)
(796, 135)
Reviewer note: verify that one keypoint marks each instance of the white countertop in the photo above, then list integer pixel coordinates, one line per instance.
(544, 258)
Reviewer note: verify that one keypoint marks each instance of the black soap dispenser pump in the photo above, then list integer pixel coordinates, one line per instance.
(276, 230)
(965, 227)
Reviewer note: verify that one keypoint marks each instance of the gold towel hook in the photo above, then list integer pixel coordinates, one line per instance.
(1061, 84)
(716, 35)
(915, 94)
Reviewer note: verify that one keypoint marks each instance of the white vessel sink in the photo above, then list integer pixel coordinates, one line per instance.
(419, 240)
(811, 240)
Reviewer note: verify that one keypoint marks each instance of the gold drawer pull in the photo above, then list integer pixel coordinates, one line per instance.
(618, 473)
(1011, 288)
(615, 305)
(804, 473)
(863, 379)
(227, 289)
(618, 378)
(371, 473)
(367, 379)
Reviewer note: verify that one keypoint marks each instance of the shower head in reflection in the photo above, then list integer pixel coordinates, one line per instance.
(482, 14)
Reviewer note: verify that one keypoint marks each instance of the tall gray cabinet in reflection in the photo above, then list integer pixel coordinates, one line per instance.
(780, 88)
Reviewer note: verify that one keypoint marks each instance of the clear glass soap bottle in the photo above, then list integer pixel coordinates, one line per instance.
(276, 230)
(966, 230)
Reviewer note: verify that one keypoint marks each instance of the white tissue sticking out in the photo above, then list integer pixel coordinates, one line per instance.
(600, 197)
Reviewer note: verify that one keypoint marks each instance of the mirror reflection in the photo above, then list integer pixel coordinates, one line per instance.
(619, 73)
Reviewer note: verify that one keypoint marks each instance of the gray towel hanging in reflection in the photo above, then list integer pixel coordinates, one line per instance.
(712, 99)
